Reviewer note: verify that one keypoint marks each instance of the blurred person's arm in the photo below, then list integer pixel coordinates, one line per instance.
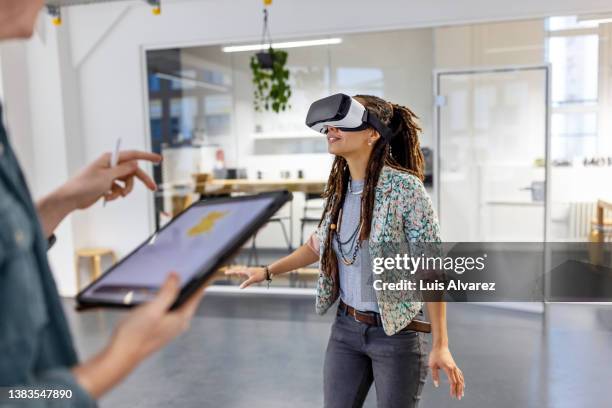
(303, 256)
(142, 332)
(95, 181)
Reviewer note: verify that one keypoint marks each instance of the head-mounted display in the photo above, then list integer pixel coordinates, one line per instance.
(344, 113)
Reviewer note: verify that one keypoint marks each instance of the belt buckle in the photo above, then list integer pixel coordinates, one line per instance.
(355, 316)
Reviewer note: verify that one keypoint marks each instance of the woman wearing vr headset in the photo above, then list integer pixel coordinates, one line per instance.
(375, 200)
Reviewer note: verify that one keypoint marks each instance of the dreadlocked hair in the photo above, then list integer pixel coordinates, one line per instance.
(402, 153)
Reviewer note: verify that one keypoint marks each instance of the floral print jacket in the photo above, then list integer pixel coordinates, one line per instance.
(403, 214)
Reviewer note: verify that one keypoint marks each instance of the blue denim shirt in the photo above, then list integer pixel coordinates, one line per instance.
(36, 349)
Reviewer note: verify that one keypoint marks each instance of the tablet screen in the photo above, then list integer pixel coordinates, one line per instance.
(189, 245)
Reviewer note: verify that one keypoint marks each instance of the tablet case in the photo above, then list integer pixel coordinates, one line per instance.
(279, 199)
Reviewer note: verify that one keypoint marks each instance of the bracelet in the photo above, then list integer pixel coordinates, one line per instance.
(268, 275)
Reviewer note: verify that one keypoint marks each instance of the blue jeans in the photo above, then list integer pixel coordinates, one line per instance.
(359, 354)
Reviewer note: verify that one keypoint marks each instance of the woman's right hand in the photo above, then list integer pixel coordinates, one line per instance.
(253, 274)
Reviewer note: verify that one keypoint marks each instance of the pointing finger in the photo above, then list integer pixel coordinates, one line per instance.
(146, 180)
(124, 170)
(130, 155)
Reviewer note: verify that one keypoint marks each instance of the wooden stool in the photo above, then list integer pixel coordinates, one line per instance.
(95, 256)
(601, 231)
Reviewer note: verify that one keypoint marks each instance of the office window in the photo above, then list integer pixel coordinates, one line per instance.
(575, 65)
(154, 83)
(573, 51)
(568, 23)
(216, 77)
(217, 118)
(184, 111)
(575, 133)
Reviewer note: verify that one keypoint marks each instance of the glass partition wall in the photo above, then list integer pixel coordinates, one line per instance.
(266, 146)
(492, 167)
(492, 135)
(489, 179)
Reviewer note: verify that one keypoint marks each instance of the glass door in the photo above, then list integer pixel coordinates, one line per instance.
(491, 166)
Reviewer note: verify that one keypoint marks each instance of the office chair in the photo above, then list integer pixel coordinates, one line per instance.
(281, 221)
(309, 219)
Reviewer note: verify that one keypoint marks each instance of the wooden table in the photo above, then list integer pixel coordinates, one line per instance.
(599, 232)
(207, 188)
(228, 186)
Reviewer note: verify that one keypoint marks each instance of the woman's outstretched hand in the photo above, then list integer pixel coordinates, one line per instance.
(441, 358)
(252, 275)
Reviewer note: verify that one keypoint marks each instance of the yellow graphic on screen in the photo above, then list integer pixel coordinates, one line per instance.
(207, 223)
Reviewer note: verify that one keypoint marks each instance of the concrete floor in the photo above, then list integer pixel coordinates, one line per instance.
(256, 351)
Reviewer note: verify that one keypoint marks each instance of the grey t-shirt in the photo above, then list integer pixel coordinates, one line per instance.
(356, 288)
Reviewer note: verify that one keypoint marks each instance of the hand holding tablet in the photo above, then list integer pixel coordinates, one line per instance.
(152, 325)
(196, 244)
(142, 332)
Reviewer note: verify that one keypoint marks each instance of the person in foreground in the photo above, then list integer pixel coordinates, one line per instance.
(36, 350)
(374, 196)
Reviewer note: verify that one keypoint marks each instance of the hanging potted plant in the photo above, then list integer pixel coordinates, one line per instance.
(265, 59)
(270, 76)
(271, 81)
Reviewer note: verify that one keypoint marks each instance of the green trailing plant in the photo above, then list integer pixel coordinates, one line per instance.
(271, 81)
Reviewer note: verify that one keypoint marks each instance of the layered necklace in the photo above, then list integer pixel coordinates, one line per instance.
(349, 255)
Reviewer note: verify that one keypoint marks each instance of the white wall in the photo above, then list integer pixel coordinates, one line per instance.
(487, 45)
(103, 66)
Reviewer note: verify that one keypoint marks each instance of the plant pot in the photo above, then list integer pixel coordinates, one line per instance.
(265, 59)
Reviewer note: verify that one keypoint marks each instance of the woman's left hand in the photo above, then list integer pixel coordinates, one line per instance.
(441, 358)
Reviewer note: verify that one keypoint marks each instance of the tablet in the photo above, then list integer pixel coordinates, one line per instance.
(194, 244)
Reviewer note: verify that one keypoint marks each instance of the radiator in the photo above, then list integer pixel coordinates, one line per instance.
(580, 216)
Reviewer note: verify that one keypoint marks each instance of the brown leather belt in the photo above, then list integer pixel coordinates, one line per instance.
(373, 319)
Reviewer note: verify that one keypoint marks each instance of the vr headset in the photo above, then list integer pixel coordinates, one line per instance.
(345, 113)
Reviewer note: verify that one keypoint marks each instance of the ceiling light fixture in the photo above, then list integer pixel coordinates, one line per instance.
(192, 82)
(286, 44)
(595, 18)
